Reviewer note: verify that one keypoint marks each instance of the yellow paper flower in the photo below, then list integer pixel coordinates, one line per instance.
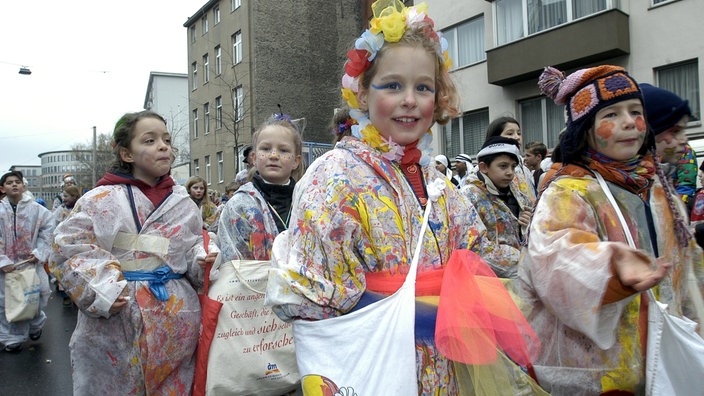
(448, 61)
(372, 138)
(393, 26)
(375, 26)
(349, 96)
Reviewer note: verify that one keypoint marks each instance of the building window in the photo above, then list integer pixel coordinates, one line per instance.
(218, 60)
(235, 4)
(216, 15)
(195, 123)
(682, 79)
(516, 17)
(204, 23)
(194, 77)
(206, 68)
(236, 48)
(206, 118)
(466, 42)
(221, 167)
(541, 121)
(196, 168)
(208, 180)
(238, 101)
(465, 134)
(218, 112)
(193, 33)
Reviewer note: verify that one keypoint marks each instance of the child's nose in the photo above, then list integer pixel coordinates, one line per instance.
(409, 98)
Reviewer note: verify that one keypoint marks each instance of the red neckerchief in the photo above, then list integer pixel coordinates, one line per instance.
(409, 166)
(156, 194)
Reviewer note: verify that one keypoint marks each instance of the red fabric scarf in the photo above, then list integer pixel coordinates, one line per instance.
(156, 194)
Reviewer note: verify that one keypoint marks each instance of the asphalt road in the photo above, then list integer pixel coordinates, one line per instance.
(43, 367)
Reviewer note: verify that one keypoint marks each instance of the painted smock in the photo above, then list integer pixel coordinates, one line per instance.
(354, 212)
(247, 228)
(22, 233)
(148, 348)
(523, 180)
(591, 346)
(502, 228)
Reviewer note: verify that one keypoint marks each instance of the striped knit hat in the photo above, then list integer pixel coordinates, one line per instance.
(584, 93)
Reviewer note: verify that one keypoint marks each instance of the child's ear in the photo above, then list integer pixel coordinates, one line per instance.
(483, 167)
(126, 155)
(362, 99)
(298, 162)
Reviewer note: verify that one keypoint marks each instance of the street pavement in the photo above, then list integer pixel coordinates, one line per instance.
(44, 366)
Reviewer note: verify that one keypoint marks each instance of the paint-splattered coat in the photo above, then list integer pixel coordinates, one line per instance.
(148, 347)
(502, 228)
(354, 212)
(24, 232)
(589, 347)
(247, 229)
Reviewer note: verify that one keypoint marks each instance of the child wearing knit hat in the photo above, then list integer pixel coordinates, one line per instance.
(578, 275)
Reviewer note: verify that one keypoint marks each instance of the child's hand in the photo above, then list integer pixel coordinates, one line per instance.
(209, 259)
(118, 305)
(524, 217)
(634, 272)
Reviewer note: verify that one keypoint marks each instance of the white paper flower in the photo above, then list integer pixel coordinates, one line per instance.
(435, 189)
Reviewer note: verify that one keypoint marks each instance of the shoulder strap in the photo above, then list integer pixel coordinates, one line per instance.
(208, 266)
(434, 192)
(624, 225)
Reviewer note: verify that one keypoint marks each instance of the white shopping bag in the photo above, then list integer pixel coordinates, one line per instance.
(22, 290)
(367, 352)
(252, 352)
(675, 359)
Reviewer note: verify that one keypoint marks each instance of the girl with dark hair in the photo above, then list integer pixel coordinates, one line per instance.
(130, 255)
(581, 281)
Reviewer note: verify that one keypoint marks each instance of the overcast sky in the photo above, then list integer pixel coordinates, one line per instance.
(90, 63)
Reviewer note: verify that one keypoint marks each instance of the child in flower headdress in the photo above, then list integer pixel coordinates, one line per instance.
(357, 212)
(580, 279)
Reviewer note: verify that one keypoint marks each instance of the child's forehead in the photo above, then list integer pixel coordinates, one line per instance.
(13, 178)
(276, 134)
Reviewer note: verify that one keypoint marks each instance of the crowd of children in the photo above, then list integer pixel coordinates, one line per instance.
(130, 254)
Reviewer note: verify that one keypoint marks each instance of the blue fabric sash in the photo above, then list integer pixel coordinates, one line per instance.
(426, 315)
(156, 279)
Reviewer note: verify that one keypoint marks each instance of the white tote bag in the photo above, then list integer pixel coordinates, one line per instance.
(675, 358)
(675, 361)
(252, 352)
(366, 352)
(22, 290)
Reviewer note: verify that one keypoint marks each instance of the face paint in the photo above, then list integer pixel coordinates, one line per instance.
(640, 124)
(603, 133)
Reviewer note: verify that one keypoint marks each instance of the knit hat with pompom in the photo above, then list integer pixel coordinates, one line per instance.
(584, 93)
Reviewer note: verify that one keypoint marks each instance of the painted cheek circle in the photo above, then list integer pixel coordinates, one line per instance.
(640, 124)
(605, 130)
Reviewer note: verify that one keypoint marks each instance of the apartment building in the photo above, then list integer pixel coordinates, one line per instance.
(500, 47)
(249, 60)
